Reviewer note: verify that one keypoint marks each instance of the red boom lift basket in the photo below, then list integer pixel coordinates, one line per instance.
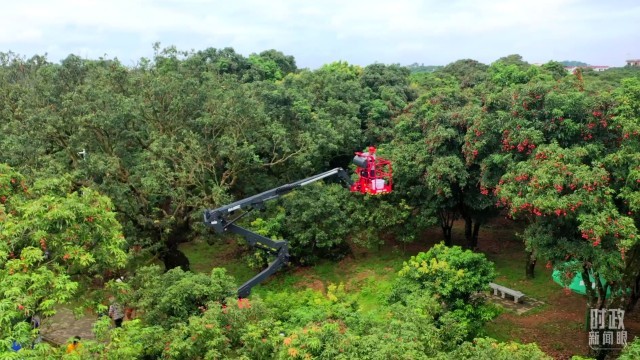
(374, 173)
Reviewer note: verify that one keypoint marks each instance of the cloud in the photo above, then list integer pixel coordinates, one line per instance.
(357, 30)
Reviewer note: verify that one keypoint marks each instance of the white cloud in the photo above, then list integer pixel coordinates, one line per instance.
(355, 30)
(24, 35)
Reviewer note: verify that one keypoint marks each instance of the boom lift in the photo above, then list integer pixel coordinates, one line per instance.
(374, 178)
(375, 174)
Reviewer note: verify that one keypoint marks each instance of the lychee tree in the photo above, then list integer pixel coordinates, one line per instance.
(624, 167)
(53, 243)
(575, 221)
(519, 118)
(438, 169)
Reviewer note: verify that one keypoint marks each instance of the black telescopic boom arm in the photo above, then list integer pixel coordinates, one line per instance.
(220, 220)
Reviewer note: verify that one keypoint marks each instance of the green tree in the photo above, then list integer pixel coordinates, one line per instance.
(324, 221)
(586, 135)
(524, 116)
(511, 70)
(631, 351)
(389, 94)
(163, 140)
(180, 315)
(316, 113)
(169, 298)
(573, 63)
(468, 72)
(440, 151)
(556, 69)
(53, 243)
(421, 68)
(269, 65)
(573, 215)
(623, 165)
(454, 276)
(487, 348)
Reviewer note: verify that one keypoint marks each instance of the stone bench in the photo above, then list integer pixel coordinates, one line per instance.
(505, 290)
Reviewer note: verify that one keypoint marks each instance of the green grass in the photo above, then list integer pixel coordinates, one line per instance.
(357, 274)
(369, 277)
(379, 266)
(203, 257)
(503, 330)
(510, 269)
(561, 328)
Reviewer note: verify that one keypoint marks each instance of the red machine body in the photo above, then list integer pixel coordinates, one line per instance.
(374, 173)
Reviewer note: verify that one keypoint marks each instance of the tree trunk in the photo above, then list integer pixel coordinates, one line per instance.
(468, 231)
(446, 232)
(531, 265)
(593, 302)
(633, 273)
(171, 256)
(592, 295)
(471, 230)
(474, 235)
(446, 217)
(635, 295)
(601, 290)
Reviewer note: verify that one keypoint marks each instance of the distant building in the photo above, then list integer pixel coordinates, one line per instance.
(633, 62)
(598, 67)
(572, 69)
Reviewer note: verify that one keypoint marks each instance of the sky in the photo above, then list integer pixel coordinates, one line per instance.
(362, 32)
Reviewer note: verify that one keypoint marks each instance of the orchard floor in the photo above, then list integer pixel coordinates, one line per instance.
(553, 319)
(558, 324)
(64, 325)
(550, 317)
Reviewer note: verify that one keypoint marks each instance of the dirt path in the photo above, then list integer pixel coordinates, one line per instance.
(63, 326)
